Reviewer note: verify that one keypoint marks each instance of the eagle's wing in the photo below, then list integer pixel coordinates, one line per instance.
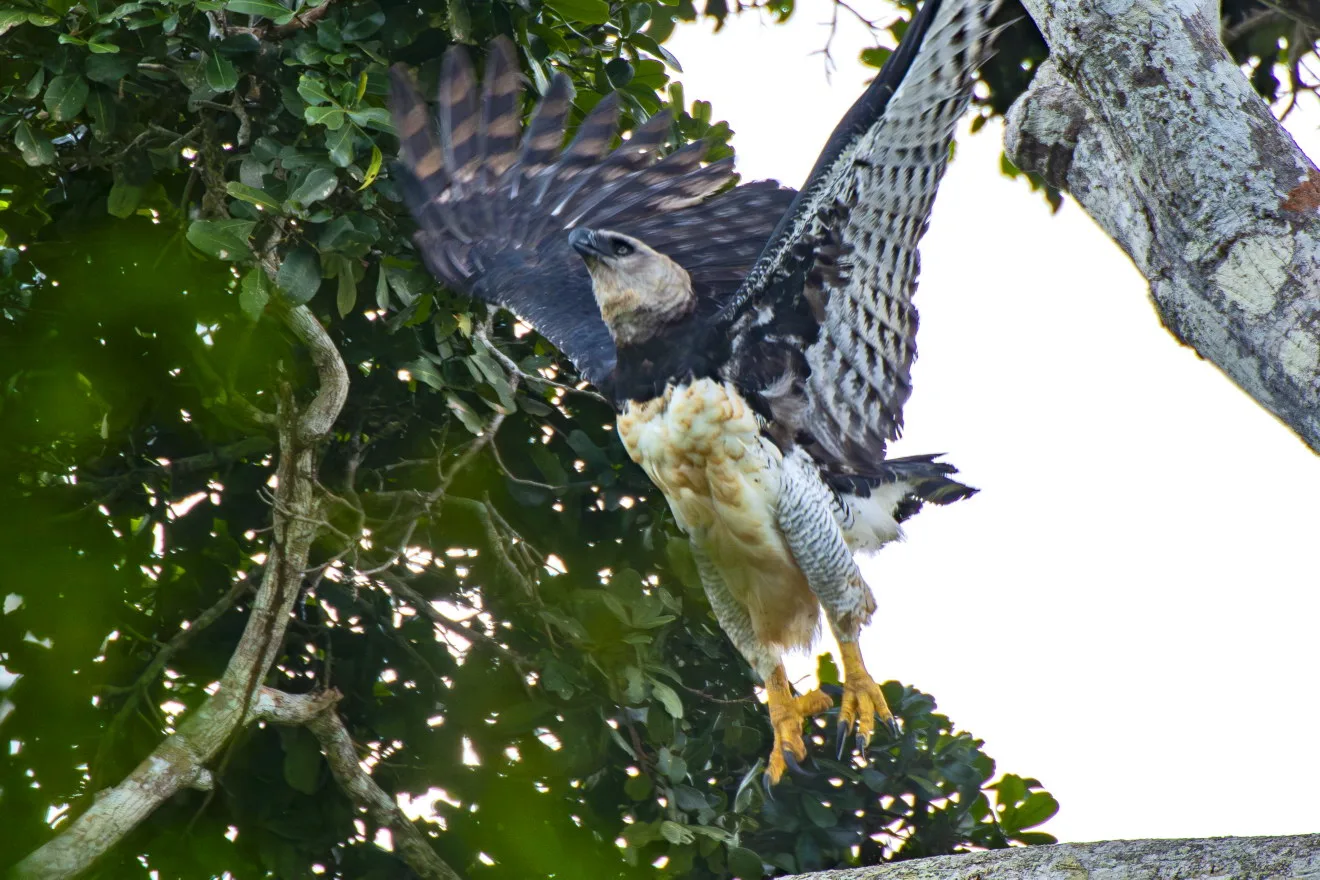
(823, 329)
(493, 216)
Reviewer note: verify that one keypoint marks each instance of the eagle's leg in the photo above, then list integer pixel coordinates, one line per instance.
(787, 713)
(809, 518)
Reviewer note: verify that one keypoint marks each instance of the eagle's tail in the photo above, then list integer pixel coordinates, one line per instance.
(871, 506)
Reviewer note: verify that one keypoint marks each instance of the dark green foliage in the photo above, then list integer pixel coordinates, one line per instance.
(172, 169)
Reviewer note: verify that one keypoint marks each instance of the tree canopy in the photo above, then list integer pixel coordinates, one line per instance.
(502, 603)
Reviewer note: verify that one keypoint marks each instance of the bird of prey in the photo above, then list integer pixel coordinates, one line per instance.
(756, 341)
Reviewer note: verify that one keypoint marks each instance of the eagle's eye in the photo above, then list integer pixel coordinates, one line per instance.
(622, 248)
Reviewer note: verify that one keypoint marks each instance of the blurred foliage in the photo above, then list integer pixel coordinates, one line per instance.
(523, 647)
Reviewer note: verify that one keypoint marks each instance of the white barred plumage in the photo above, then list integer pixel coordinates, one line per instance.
(757, 342)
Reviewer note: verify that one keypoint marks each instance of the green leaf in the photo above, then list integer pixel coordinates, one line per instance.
(276, 12)
(33, 87)
(123, 199)
(220, 73)
(675, 833)
(340, 144)
(331, 117)
(346, 297)
(820, 815)
(584, 11)
(317, 185)
(65, 96)
(222, 239)
(300, 275)
(745, 864)
(668, 698)
(373, 170)
(639, 787)
(101, 107)
(826, 670)
(36, 149)
(313, 91)
(363, 20)
(373, 117)
(1038, 807)
(11, 18)
(474, 423)
(253, 294)
(252, 195)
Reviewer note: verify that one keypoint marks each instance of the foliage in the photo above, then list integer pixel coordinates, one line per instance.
(500, 597)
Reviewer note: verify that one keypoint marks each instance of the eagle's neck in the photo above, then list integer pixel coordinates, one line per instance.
(678, 352)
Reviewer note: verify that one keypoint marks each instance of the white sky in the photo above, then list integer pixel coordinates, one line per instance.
(1128, 610)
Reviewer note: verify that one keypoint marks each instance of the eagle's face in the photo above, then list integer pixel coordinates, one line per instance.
(640, 291)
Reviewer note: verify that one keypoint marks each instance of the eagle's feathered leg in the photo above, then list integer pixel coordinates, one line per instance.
(787, 712)
(809, 518)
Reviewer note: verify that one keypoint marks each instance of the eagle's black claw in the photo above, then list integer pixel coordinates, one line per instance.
(768, 786)
(841, 735)
(794, 767)
(862, 741)
(895, 729)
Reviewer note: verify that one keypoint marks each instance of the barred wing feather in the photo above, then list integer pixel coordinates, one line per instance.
(493, 213)
(829, 303)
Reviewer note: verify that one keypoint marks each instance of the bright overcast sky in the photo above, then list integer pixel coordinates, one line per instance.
(1128, 610)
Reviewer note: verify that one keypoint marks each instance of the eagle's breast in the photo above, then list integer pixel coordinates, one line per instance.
(704, 447)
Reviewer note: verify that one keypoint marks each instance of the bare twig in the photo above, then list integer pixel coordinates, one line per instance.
(344, 763)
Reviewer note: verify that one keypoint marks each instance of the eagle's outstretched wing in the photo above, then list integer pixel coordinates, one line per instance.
(493, 216)
(823, 329)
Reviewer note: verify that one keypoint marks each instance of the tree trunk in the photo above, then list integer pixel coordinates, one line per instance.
(1258, 858)
(1141, 115)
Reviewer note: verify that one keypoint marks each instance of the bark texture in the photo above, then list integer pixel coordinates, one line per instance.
(1240, 858)
(1143, 117)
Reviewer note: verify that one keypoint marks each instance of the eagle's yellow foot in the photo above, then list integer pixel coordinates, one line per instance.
(862, 701)
(787, 713)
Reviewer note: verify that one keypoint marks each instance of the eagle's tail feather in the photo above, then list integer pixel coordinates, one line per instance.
(928, 479)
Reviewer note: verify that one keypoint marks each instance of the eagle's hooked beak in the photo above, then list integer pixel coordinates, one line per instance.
(588, 244)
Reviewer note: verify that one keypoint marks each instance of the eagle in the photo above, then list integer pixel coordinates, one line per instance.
(757, 342)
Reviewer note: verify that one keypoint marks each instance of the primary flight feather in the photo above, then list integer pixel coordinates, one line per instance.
(756, 341)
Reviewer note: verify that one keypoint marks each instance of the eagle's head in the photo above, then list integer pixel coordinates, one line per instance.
(640, 291)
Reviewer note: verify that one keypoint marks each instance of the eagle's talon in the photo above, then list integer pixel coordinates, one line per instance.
(787, 713)
(895, 728)
(767, 785)
(794, 766)
(862, 699)
(841, 736)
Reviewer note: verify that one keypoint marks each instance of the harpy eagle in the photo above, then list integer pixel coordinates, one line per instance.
(756, 342)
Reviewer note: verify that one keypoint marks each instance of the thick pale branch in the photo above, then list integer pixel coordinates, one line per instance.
(322, 412)
(1144, 118)
(1260, 858)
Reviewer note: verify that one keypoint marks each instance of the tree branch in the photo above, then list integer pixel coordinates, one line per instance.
(1257, 857)
(411, 844)
(1143, 117)
(182, 759)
